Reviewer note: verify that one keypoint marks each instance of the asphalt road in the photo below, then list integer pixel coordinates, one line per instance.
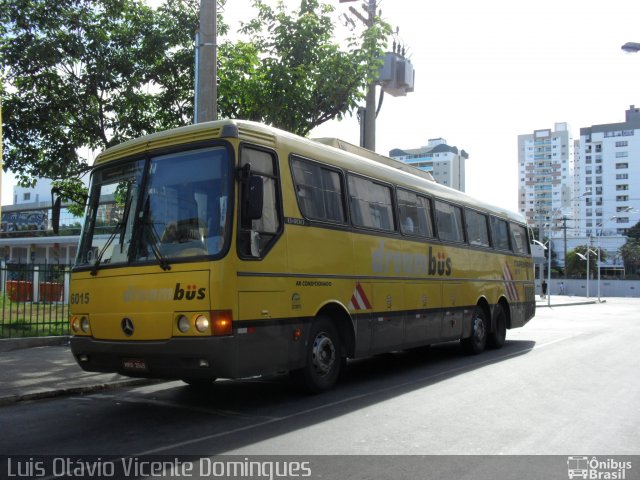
(567, 383)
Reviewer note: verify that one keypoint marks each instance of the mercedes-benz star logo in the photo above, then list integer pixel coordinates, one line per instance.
(127, 326)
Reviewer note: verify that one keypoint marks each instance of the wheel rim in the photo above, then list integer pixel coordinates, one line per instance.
(323, 354)
(479, 330)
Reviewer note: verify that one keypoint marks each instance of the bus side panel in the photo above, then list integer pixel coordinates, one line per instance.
(387, 327)
(424, 317)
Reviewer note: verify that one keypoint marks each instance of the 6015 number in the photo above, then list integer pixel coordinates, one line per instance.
(79, 298)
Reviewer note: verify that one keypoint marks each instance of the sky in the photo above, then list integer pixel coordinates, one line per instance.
(489, 71)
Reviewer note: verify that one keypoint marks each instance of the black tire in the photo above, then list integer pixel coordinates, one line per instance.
(498, 335)
(324, 359)
(476, 343)
(199, 383)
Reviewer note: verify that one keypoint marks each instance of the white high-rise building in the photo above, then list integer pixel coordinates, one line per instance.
(581, 193)
(546, 179)
(609, 176)
(444, 162)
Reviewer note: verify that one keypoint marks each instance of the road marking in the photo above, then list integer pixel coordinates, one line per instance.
(562, 339)
(164, 403)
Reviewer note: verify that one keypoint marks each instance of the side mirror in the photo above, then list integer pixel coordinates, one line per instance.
(56, 206)
(253, 198)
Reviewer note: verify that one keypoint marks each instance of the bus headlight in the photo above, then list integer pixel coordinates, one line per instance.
(75, 324)
(84, 325)
(183, 324)
(202, 323)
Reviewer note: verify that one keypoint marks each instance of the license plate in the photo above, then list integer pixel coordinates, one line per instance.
(136, 364)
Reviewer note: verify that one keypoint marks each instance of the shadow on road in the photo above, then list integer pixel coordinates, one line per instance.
(173, 418)
(251, 411)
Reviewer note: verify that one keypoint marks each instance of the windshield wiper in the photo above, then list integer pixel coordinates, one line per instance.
(153, 245)
(116, 230)
(154, 240)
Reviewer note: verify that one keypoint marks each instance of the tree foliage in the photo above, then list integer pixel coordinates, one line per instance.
(291, 73)
(576, 267)
(83, 75)
(77, 77)
(630, 251)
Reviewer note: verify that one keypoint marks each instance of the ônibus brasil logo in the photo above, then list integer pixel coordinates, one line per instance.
(596, 469)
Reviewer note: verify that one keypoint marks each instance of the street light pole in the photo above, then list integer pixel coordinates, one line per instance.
(588, 272)
(549, 266)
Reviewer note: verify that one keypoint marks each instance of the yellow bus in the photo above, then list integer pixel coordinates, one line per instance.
(232, 249)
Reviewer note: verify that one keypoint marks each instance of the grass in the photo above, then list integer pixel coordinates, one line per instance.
(28, 319)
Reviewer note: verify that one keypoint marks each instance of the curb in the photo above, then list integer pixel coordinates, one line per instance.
(591, 302)
(100, 387)
(9, 344)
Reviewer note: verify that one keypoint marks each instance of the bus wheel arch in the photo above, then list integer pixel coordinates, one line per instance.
(343, 323)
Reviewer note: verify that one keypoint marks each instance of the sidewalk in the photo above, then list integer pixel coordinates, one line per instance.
(46, 368)
(50, 371)
(564, 301)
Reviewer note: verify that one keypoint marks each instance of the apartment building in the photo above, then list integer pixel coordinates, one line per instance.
(580, 192)
(446, 163)
(609, 176)
(546, 187)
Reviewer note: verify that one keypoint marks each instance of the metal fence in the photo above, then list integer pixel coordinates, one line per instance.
(34, 300)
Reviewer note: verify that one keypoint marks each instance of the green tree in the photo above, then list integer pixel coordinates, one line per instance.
(630, 251)
(577, 267)
(634, 232)
(291, 73)
(83, 75)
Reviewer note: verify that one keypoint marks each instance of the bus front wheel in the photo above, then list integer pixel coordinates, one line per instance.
(323, 358)
(479, 328)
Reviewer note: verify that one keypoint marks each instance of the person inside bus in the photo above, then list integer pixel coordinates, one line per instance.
(407, 224)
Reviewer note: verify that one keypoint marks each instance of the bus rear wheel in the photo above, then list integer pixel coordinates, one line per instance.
(323, 358)
(499, 334)
(476, 343)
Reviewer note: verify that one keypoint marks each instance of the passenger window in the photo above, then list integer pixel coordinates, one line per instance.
(477, 228)
(449, 222)
(500, 233)
(319, 191)
(415, 214)
(371, 204)
(520, 239)
(257, 236)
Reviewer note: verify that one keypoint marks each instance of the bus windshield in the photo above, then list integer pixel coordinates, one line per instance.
(166, 208)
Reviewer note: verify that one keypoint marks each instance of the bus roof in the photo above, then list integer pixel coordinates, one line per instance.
(328, 150)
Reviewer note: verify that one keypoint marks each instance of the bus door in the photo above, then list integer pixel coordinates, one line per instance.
(262, 257)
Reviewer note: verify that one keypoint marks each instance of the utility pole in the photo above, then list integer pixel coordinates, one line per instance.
(206, 89)
(368, 113)
(369, 140)
(398, 78)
